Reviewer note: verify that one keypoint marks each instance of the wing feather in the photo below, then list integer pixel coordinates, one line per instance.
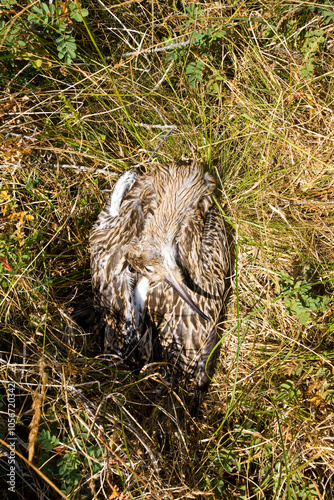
(114, 283)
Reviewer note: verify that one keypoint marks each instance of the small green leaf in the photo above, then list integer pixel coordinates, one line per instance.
(71, 46)
(37, 10)
(68, 59)
(76, 16)
(45, 8)
(71, 53)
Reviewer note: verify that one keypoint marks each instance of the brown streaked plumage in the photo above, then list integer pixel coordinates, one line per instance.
(160, 265)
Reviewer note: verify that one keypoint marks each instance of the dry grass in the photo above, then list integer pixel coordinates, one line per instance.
(260, 117)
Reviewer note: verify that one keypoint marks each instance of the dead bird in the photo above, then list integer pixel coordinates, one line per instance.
(161, 265)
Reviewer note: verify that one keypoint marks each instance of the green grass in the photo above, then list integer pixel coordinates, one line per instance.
(250, 92)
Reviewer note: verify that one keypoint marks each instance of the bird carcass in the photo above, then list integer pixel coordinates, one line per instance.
(161, 265)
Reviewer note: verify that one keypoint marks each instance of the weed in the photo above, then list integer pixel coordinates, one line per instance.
(61, 460)
(301, 298)
(203, 48)
(289, 392)
(312, 42)
(23, 37)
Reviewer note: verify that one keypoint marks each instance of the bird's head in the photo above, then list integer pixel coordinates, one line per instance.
(158, 263)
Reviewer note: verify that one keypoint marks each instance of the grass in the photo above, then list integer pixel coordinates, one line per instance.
(247, 90)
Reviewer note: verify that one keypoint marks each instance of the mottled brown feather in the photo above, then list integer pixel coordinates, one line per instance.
(155, 224)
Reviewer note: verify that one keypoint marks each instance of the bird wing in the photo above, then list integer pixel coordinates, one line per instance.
(204, 256)
(114, 284)
(215, 251)
(184, 338)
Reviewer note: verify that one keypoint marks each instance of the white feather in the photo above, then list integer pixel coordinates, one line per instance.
(122, 186)
(168, 253)
(139, 298)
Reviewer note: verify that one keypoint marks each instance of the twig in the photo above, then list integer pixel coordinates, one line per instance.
(158, 49)
(173, 127)
(164, 76)
(82, 168)
(161, 127)
(28, 137)
(310, 202)
(124, 27)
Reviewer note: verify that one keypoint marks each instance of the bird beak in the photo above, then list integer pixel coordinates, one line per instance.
(182, 291)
